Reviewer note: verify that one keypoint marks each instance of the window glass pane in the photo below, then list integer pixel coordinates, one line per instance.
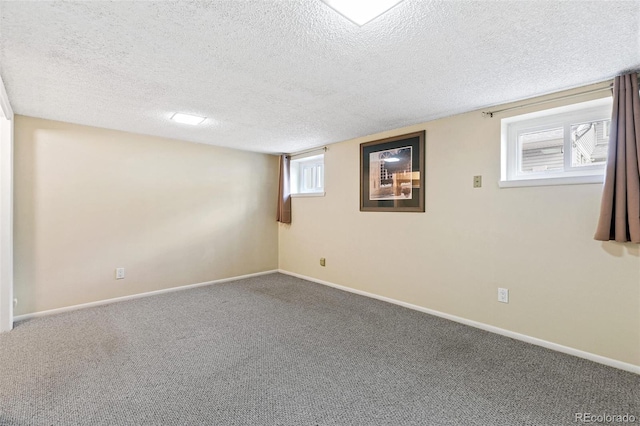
(307, 175)
(307, 178)
(541, 151)
(320, 177)
(589, 143)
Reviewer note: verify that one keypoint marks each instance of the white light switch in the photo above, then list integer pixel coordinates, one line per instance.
(119, 273)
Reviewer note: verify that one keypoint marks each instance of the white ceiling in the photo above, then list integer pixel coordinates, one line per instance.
(285, 75)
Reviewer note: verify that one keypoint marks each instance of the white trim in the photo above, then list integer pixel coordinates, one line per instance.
(6, 223)
(574, 180)
(6, 211)
(137, 296)
(308, 194)
(501, 331)
(5, 106)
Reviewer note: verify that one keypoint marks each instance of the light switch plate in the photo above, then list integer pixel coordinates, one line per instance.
(119, 273)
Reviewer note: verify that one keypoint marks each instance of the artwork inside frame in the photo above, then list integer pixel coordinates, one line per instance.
(392, 174)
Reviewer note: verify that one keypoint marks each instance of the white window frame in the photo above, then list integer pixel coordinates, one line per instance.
(301, 162)
(564, 117)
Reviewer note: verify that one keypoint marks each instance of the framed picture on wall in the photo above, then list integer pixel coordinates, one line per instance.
(392, 174)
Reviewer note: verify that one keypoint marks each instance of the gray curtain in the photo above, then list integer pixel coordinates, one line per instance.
(620, 209)
(284, 191)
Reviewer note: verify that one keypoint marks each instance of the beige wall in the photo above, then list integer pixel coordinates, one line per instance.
(172, 213)
(564, 287)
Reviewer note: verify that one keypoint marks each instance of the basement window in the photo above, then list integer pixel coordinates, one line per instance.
(307, 175)
(558, 146)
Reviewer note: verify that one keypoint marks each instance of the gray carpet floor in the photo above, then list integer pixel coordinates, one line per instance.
(277, 350)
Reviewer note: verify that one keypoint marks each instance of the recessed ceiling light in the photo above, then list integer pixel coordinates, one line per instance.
(187, 118)
(361, 11)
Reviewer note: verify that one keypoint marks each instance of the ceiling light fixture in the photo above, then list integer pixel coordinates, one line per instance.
(361, 11)
(187, 118)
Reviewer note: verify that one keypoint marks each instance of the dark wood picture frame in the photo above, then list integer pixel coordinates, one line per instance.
(392, 174)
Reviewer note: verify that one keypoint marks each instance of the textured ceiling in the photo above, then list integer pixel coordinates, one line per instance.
(282, 76)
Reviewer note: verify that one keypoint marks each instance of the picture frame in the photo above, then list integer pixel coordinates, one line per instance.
(392, 175)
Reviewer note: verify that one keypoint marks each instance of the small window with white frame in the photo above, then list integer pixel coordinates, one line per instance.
(563, 145)
(307, 174)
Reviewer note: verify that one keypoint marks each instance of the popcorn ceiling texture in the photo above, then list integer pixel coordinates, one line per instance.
(281, 76)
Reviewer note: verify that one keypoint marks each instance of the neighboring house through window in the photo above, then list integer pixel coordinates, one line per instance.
(556, 146)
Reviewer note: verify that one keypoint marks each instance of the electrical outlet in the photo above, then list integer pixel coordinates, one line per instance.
(477, 181)
(503, 295)
(322, 261)
(119, 273)
(15, 303)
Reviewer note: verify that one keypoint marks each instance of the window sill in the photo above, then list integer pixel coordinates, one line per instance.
(308, 194)
(573, 180)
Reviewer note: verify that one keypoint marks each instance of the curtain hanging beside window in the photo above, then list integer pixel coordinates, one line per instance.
(620, 209)
(284, 191)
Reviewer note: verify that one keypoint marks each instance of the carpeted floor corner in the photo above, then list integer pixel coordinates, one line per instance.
(278, 350)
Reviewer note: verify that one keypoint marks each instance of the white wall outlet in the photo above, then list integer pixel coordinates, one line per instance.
(477, 181)
(15, 303)
(503, 295)
(322, 261)
(119, 273)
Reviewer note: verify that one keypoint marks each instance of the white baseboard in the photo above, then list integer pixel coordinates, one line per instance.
(135, 296)
(523, 337)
